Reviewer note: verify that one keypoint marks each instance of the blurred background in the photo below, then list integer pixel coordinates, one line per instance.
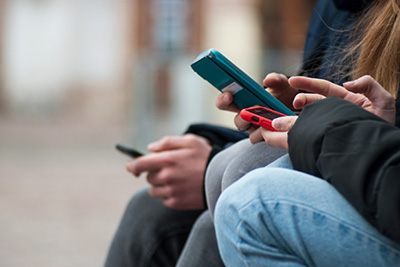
(78, 76)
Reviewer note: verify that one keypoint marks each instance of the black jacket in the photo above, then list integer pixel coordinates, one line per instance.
(357, 152)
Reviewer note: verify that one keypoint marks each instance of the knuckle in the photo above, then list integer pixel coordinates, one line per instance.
(268, 141)
(166, 139)
(282, 77)
(166, 176)
(388, 100)
(190, 137)
(166, 159)
(368, 78)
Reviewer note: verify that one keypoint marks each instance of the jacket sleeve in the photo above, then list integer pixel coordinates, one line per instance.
(357, 152)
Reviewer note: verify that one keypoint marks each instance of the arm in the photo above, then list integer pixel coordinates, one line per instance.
(357, 152)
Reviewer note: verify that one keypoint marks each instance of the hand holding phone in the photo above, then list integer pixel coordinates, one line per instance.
(260, 116)
(219, 71)
(128, 151)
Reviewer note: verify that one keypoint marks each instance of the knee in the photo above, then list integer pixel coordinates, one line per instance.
(251, 157)
(233, 199)
(256, 186)
(262, 189)
(243, 203)
(214, 173)
(140, 198)
(224, 211)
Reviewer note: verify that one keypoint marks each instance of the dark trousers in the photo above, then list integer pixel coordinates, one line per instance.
(151, 234)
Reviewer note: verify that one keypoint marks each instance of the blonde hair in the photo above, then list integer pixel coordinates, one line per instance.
(377, 51)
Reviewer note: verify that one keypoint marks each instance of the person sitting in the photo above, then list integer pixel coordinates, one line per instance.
(144, 236)
(338, 204)
(354, 208)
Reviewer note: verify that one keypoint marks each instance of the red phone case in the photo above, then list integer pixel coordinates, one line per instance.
(249, 115)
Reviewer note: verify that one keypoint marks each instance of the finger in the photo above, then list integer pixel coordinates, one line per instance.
(171, 143)
(150, 162)
(241, 124)
(368, 86)
(153, 178)
(277, 139)
(225, 102)
(319, 86)
(276, 81)
(284, 124)
(256, 136)
(173, 203)
(159, 191)
(301, 100)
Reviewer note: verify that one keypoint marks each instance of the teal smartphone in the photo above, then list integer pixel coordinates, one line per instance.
(220, 72)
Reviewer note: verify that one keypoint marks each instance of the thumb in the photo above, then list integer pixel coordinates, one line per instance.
(371, 89)
(284, 124)
(303, 99)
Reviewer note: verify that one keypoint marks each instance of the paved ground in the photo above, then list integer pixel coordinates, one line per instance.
(63, 189)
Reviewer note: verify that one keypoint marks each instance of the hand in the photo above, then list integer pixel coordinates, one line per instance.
(364, 92)
(279, 138)
(225, 102)
(277, 85)
(175, 170)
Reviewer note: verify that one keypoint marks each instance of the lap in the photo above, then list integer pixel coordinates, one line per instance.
(150, 233)
(201, 248)
(231, 164)
(288, 215)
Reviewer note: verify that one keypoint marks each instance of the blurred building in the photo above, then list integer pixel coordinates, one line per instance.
(129, 61)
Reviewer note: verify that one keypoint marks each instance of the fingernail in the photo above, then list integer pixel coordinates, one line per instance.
(277, 123)
(353, 82)
(350, 83)
(225, 98)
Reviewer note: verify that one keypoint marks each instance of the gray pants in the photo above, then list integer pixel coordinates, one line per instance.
(151, 234)
(234, 162)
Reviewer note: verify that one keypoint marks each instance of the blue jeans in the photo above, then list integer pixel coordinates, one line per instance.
(282, 217)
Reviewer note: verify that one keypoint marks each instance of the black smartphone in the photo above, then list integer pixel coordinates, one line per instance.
(128, 151)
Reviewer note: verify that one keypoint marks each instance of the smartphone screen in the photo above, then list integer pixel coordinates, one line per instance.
(260, 116)
(128, 151)
(265, 113)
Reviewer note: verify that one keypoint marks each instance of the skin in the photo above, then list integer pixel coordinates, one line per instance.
(277, 85)
(364, 92)
(175, 170)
